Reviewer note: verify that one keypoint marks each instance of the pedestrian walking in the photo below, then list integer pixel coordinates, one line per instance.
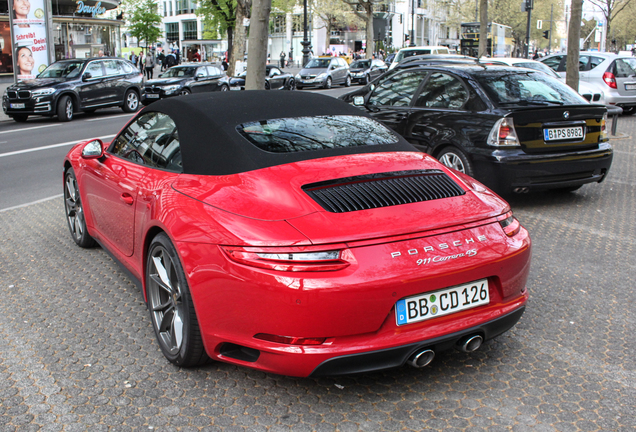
(149, 63)
(171, 59)
(282, 59)
(161, 58)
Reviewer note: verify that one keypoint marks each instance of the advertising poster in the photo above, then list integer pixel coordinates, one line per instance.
(28, 20)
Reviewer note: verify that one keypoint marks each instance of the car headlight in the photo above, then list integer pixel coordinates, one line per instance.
(170, 88)
(321, 76)
(43, 92)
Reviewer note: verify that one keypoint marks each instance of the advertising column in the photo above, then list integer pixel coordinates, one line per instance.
(29, 30)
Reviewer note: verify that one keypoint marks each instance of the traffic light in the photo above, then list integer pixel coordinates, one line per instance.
(546, 34)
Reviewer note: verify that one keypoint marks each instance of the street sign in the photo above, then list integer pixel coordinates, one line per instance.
(539, 24)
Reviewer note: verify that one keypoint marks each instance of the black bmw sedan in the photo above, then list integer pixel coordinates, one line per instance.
(275, 79)
(513, 129)
(69, 86)
(184, 80)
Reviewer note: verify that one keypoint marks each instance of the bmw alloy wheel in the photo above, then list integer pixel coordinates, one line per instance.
(75, 211)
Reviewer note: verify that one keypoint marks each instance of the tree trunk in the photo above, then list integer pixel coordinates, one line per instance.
(257, 49)
(483, 29)
(238, 44)
(574, 35)
(370, 45)
(230, 42)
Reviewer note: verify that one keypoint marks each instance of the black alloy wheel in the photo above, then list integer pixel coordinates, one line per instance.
(75, 211)
(131, 102)
(267, 85)
(171, 308)
(291, 84)
(453, 157)
(65, 109)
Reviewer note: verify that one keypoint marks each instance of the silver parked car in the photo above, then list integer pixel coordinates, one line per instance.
(324, 72)
(614, 74)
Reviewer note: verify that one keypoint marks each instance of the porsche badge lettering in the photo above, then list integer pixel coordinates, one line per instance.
(441, 247)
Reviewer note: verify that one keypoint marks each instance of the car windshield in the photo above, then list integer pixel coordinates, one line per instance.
(539, 67)
(527, 88)
(361, 64)
(318, 64)
(410, 53)
(178, 72)
(67, 69)
(289, 135)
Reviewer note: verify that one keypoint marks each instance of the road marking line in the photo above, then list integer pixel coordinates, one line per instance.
(111, 117)
(32, 203)
(29, 128)
(50, 146)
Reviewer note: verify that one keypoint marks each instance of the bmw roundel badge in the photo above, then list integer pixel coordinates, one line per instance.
(566, 114)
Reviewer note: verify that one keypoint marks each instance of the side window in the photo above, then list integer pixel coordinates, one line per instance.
(112, 67)
(398, 89)
(95, 69)
(442, 91)
(126, 67)
(202, 71)
(583, 61)
(595, 61)
(553, 62)
(213, 71)
(273, 72)
(152, 140)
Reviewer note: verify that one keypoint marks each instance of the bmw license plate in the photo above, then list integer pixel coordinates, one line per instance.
(17, 105)
(563, 133)
(152, 96)
(442, 302)
(630, 86)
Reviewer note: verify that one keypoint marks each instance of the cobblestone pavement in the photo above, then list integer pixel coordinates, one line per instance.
(77, 351)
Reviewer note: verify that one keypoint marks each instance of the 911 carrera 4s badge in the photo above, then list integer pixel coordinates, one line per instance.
(442, 302)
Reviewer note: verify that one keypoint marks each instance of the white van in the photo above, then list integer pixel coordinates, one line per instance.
(421, 50)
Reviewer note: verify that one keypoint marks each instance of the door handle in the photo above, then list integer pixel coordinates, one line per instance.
(127, 198)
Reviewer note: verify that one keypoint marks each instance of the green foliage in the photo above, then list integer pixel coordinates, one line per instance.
(218, 14)
(144, 21)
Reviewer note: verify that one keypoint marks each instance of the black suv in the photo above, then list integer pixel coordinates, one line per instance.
(69, 86)
(186, 79)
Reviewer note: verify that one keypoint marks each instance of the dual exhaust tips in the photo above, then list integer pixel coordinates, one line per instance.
(424, 356)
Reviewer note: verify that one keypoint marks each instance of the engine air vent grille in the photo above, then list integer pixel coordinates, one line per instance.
(382, 190)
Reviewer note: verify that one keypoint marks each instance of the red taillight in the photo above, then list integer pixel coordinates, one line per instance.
(509, 224)
(504, 131)
(292, 261)
(290, 340)
(609, 79)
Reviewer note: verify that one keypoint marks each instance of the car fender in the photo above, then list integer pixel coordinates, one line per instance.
(74, 96)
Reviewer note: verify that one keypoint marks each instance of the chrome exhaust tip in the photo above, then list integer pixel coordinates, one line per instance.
(521, 190)
(421, 358)
(471, 343)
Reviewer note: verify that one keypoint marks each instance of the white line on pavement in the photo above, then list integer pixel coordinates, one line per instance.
(49, 146)
(31, 203)
(29, 128)
(111, 117)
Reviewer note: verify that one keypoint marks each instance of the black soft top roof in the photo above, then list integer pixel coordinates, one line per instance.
(211, 145)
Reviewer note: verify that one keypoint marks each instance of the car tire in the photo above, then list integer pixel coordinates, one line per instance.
(366, 79)
(184, 92)
(629, 110)
(20, 118)
(65, 109)
(131, 102)
(327, 84)
(75, 211)
(224, 88)
(291, 85)
(347, 82)
(453, 157)
(170, 305)
(267, 86)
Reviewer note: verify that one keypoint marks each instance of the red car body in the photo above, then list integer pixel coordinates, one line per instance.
(300, 322)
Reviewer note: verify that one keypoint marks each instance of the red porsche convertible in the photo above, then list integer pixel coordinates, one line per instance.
(291, 233)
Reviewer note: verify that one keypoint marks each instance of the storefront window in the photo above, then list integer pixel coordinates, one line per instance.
(6, 58)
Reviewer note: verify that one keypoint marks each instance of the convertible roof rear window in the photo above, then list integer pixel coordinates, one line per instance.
(300, 134)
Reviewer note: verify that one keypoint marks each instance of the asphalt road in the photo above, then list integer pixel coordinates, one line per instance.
(77, 351)
(31, 153)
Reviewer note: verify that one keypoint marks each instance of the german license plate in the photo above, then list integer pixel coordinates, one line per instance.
(630, 86)
(563, 133)
(152, 96)
(442, 302)
(16, 105)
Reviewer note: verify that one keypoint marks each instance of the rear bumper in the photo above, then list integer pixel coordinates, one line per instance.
(506, 170)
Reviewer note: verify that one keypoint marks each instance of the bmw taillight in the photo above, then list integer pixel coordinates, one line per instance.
(290, 340)
(603, 135)
(609, 79)
(509, 224)
(290, 260)
(503, 134)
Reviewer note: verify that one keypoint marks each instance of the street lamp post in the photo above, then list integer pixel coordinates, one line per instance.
(412, 41)
(305, 43)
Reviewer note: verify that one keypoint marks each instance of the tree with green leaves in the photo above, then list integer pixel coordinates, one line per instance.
(610, 10)
(334, 14)
(143, 21)
(364, 9)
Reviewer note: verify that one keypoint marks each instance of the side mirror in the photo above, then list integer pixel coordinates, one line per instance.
(93, 149)
(86, 76)
(358, 100)
(199, 75)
